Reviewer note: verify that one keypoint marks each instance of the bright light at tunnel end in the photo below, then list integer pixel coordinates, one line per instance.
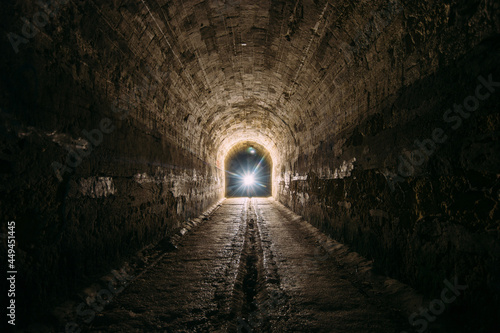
(248, 180)
(248, 170)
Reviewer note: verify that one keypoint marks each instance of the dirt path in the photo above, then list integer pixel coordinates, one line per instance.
(253, 267)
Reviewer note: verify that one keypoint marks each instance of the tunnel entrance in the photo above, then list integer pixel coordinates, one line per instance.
(248, 168)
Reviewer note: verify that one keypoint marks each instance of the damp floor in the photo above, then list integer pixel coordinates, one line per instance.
(254, 266)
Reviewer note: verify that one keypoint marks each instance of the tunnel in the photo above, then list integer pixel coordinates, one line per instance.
(250, 166)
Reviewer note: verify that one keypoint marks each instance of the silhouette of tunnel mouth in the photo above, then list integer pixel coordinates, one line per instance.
(248, 168)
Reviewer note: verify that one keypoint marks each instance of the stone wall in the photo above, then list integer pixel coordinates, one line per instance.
(89, 170)
(115, 117)
(426, 210)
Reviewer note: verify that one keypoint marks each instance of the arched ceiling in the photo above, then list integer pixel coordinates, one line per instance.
(234, 70)
(285, 74)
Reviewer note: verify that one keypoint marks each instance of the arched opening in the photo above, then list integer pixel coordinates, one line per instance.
(248, 167)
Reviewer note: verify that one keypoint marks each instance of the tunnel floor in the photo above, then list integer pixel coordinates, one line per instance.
(253, 267)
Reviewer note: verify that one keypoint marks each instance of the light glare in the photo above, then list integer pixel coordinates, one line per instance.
(248, 180)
